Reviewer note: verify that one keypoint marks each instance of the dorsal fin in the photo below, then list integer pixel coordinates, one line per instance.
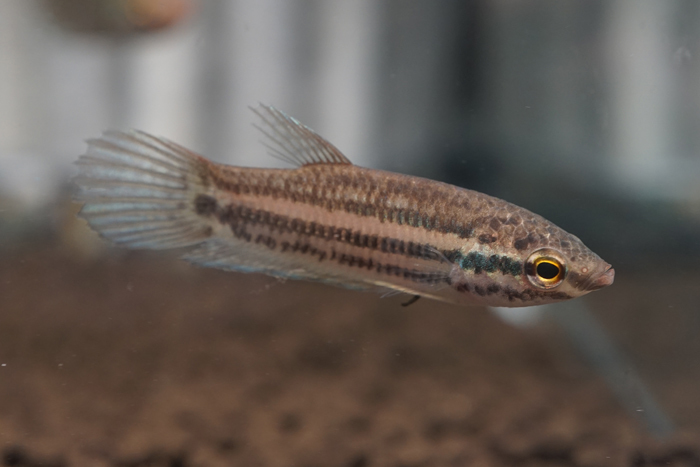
(293, 142)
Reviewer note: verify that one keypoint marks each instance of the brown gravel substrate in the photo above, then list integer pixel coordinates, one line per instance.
(138, 360)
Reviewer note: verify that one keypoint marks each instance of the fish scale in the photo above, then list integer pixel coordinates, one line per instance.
(330, 221)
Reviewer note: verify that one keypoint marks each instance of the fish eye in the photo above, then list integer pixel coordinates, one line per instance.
(545, 269)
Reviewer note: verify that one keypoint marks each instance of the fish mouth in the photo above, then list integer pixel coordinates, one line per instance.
(604, 280)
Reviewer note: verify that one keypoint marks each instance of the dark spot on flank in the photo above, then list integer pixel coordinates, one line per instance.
(411, 219)
(357, 238)
(478, 262)
(521, 243)
(486, 238)
(205, 205)
(384, 245)
(351, 207)
(464, 232)
(393, 245)
(510, 266)
(373, 242)
(453, 256)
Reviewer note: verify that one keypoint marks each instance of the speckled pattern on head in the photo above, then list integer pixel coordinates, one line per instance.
(330, 221)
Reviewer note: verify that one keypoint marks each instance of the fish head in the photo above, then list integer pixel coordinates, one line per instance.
(556, 274)
(531, 262)
(556, 265)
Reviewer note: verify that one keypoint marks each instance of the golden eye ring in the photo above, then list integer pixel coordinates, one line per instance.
(545, 269)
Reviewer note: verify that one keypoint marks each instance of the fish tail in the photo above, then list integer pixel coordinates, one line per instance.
(139, 191)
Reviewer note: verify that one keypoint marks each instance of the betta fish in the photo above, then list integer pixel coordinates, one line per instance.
(330, 221)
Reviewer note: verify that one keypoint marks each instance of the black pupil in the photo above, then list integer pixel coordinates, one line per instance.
(547, 270)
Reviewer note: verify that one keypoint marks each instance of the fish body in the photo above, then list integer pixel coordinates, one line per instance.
(330, 221)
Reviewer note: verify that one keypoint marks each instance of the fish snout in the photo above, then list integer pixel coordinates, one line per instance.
(603, 280)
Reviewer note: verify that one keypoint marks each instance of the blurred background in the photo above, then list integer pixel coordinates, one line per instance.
(586, 112)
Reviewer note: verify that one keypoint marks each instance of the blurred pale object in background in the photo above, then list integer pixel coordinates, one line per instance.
(118, 16)
(192, 82)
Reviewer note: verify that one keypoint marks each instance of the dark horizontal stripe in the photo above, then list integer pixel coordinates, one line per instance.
(377, 210)
(235, 215)
(530, 295)
(479, 262)
(240, 231)
(389, 269)
(509, 292)
(413, 275)
(238, 218)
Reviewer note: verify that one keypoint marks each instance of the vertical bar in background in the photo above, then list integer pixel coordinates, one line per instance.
(536, 111)
(76, 94)
(145, 81)
(348, 68)
(416, 53)
(640, 68)
(52, 93)
(249, 60)
(18, 84)
(64, 86)
(15, 49)
(153, 83)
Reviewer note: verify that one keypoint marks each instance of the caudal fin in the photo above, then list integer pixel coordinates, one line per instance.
(139, 191)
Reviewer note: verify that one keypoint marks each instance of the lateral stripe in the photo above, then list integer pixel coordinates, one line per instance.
(237, 216)
(321, 197)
